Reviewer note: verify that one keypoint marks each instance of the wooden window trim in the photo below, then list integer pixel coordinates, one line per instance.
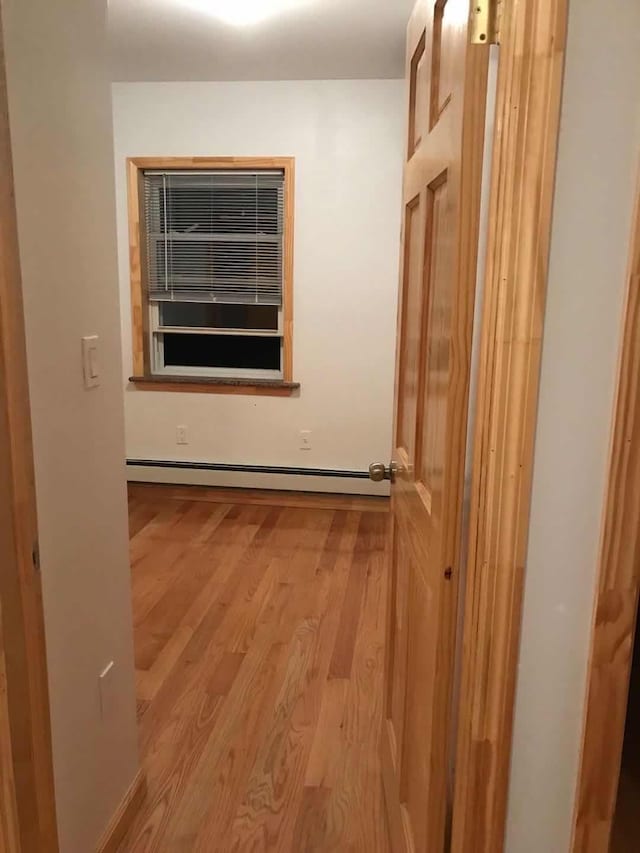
(215, 385)
(142, 377)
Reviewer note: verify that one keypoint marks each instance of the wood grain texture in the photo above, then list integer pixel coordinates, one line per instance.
(211, 162)
(27, 799)
(447, 79)
(616, 605)
(259, 646)
(246, 389)
(287, 269)
(251, 497)
(124, 815)
(9, 827)
(139, 304)
(532, 45)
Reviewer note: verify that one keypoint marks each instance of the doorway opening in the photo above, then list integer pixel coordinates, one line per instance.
(265, 608)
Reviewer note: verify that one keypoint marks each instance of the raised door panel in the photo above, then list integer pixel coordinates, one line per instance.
(418, 96)
(410, 334)
(443, 46)
(434, 368)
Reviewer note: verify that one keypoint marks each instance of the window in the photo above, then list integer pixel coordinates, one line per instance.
(211, 252)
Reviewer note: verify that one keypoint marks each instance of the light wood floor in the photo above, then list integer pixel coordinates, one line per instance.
(258, 639)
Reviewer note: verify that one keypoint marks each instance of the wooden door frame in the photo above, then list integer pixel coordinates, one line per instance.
(532, 37)
(27, 799)
(616, 602)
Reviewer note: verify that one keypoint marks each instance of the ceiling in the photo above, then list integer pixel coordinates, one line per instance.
(313, 40)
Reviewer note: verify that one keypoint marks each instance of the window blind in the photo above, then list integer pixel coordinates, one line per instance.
(214, 236)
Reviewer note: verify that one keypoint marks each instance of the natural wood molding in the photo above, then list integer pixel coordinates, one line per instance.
(209, 386)
(124, 815)
(24, 699)
(211, 162)
(138, 294)
(139, 302)
(287, 290)
(616, 604)
(9, 824)
(532, 37)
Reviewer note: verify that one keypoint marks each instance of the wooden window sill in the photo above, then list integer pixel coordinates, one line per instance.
(216, 385)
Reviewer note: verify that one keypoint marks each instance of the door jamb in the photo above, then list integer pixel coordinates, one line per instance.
(27, 798)
(530, 73)
(616, 602)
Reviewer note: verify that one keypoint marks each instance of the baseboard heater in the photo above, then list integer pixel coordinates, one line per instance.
(251, 469)
(180, 472)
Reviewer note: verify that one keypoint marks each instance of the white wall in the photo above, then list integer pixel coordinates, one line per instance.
(598, 158)
(347, 138)
(60, 115)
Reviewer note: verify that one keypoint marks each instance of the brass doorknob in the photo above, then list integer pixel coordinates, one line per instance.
(378, 471)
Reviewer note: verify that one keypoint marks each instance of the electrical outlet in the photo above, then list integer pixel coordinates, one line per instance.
(181, 435)
(305, 439)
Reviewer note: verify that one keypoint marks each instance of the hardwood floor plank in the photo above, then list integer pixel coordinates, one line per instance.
(202, 819)
(140, 516)
(235, 565)
(261, 497)
(363, 709)
(258, 632)
(185, 580)
(217, 825)
(206, 642)
(342, 659)
(189, 734)
(322, 764)
(152, 569)
(269, 802)
(310, 830)
(266, 818)
(349, 767)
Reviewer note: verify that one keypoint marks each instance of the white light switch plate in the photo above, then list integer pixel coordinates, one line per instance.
(90, 361)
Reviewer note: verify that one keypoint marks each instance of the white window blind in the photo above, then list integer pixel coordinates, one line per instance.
(214, 236)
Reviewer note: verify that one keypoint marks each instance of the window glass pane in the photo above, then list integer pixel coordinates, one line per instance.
(229, 351)
(219, 316)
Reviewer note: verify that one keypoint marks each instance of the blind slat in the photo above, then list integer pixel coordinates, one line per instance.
(214, 236)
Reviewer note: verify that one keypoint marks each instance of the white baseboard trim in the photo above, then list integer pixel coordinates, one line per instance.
(253, 477)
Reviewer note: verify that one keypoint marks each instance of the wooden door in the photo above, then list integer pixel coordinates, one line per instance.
(446, 77)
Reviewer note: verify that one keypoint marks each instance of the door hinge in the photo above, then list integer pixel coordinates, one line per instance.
(485, 21)
(448, 573)
(35, 556)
